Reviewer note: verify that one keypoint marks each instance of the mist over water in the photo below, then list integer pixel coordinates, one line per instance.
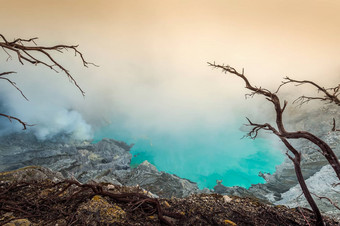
(154, 88)
(202, 154)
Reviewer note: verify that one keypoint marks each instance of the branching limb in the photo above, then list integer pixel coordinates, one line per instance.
(306, 99)
(257, 127)
(256, 90)
(10, 118)
(11, 82)
(27, 50)
(330, 94)
(272, 97)
(328, 199)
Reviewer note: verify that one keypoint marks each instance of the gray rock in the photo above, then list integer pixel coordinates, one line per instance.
(162, 184)
(105, 161)
(237, 191)
(320, 184)
(29, 174)
(79, 159)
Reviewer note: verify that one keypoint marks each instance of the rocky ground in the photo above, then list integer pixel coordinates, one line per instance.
(109, 160)
(105, 161)
(39, 196)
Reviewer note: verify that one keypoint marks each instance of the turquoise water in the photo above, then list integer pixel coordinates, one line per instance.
(201, 155)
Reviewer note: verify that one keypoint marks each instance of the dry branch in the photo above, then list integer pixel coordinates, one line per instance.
(328, 199)
(11, 82)
(330, 94)
(27, 50)
(10, 118)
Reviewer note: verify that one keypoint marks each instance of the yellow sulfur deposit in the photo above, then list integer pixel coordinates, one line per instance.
(108, 213)
(229, 222)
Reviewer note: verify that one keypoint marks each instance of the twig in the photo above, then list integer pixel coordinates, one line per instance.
(24, 124)
(303, 216)
(25, 53)
(332, 97)
(323, 197)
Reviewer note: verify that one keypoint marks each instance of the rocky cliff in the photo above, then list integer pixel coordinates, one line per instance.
(105, 161)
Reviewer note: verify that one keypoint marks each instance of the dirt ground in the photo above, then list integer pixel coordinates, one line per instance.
(71, 203)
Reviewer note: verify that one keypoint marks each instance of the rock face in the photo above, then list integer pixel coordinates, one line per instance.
(105, 161)
(31, 173)
(235, 191)
(322, 185)
(163, 184)
(81, 160)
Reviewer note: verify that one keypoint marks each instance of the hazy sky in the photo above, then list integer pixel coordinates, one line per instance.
(152, 56)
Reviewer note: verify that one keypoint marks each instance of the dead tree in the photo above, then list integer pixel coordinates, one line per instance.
(284, 135)
(27, 51)
(296, 162)
(326, 151)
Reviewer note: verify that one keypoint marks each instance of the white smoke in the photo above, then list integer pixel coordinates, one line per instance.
(63, 122)
(51, 108)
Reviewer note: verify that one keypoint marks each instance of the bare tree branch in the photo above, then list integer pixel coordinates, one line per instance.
(332, 202)
(257, 127)
(24, 124)
(11, 82)
(26, 49)
(330, 94)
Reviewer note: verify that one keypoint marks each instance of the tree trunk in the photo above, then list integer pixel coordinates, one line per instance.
(296, 161)
(307, 194)
(327, 152)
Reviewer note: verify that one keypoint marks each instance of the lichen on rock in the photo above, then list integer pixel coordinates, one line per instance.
(19, 222)
(99, 209)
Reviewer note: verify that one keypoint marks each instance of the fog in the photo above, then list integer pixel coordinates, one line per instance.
(152, 56)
